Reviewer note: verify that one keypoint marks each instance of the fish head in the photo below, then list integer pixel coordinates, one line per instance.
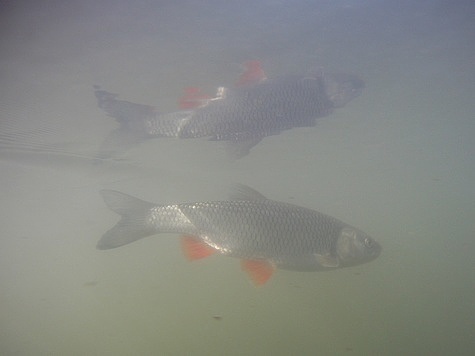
(355, 247)
(342, 88)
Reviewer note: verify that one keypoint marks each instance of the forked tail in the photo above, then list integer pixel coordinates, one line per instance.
(134, 223)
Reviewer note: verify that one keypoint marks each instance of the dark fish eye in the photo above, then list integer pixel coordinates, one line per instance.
(368, 242)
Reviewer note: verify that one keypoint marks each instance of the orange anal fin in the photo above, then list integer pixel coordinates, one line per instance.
(195, 249)
(253, 74)
(193, 98)
(259, 271)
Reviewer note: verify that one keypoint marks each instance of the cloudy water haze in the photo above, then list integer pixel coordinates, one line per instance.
(398, 162)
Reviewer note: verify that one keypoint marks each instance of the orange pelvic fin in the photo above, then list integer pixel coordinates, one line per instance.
(195, 249)
(259, 271)
(253, 74)
(193, 98)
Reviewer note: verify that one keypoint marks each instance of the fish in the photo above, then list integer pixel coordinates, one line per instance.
(264, 234)
(242, 115)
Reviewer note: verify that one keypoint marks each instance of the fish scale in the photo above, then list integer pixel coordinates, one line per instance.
(271, 107)
(267, 228)
(247, 112)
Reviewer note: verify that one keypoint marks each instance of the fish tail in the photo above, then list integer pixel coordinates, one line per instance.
(133, 224)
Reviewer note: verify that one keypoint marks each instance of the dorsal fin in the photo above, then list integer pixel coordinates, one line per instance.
(243, 192)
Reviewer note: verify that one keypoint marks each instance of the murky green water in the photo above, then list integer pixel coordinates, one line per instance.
(398, 162)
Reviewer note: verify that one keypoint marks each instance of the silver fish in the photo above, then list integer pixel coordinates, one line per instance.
(263, 233)
(243, 116)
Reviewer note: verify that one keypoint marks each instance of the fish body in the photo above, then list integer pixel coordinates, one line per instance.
(263, 233)
(263, 109)
(246, 114)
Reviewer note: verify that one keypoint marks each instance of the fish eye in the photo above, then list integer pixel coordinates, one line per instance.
(368, 242)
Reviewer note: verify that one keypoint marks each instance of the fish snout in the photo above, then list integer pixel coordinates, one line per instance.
(342, 88)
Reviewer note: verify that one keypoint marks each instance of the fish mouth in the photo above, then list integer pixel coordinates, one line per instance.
(341, 88)
(375, 252)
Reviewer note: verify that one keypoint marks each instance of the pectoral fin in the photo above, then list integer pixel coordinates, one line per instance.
(195, 249)
(327, 260)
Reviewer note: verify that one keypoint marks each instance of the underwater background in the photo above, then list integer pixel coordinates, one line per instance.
(398, 162)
